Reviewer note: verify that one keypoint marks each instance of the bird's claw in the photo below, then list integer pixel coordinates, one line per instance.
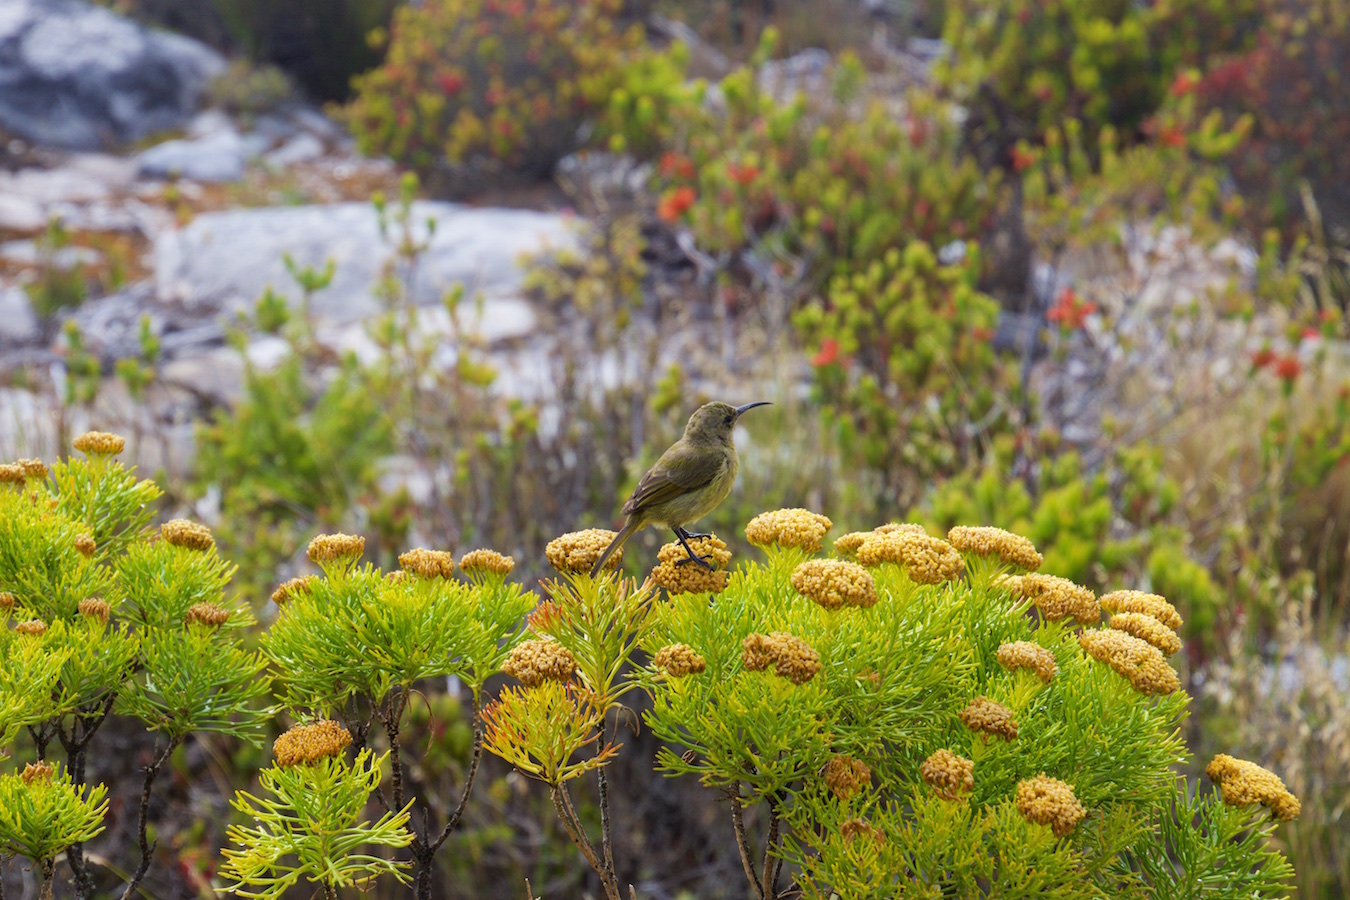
(697, 536)
(701, 560)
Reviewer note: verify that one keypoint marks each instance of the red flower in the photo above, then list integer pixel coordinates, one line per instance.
(1183, 84)
(676, 164)
(1171, 137)
(1262, 358)
(676, 203)
(1311, 334)
(742, 175)
(1069, 312)
(451, 83)
(1288, 368)
(983, 334)
(1022, 159)
(829, 353)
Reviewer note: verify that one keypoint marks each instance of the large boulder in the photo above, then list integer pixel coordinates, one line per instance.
(81, 77)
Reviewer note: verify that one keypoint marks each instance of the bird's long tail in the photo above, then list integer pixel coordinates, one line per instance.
(629, 527)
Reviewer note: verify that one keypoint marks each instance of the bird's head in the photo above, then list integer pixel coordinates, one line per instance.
(715, 421)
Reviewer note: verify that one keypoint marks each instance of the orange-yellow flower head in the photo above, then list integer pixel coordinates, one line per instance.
(788, 528)
(846, 776)
(1140, 602)
(32, 628)
(307, 744)
(848, 544)
(1058, 598)
(1049, 801)
(12, 473)
(1139, 661)
(791, 657)
(1243, 783)
(33, 468)
(208, 614)
(949, 775)
(6, 601)
(427, 563)
(182, 533)
(536, 661)
(679, 660)
(292, 587)
(328, 548)
(486, 561)
(100, 443)
(927, 560)
(989, 719)
(1005, 546)
(577, 551)
(95, 608)
(1147, 628)
(679, 575)
(38, 771)
(1013, 655)
(834, 583)
(85, 544)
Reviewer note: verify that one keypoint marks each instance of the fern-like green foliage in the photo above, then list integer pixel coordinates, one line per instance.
(27, 680)
(309, 825)
(892, 686)
(41, 815)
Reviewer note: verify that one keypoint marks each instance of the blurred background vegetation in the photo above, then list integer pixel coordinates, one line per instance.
(1076, 268)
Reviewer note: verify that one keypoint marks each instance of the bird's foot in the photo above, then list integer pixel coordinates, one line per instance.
(700, 560)
(694, 537)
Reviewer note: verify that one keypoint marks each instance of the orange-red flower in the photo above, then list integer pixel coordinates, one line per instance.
(675, 203)
(1069, 311)
(829, 353)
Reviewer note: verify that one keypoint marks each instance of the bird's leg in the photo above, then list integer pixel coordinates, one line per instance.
(682, 536)
(689, 535)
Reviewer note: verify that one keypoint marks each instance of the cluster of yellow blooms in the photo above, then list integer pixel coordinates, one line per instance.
(85, 544)
(289, 588)
(12, 473)
(334, 547)
(535, 661)
(1013, 655)
(95, 608)
(949, 775)
(6, 601)
(988, 718)
(182, 533)
(32, 628)
(856, 828)
(1140, 602)
(834, 583)
(427, 563)
(1139, 661)
(791, 657)
(1243, 783)
(845, 776)
(927, 560)
(38, 771)
(486, 561)
(679, 660)
(848, 544)
(678, 574)
(1147, 628)
(1012, 549)
(33, 468)
(100, 443)
(310, 743)
(1049, 801)
(1056, 598)
(788, 528)
(577, 551)
(208, 614)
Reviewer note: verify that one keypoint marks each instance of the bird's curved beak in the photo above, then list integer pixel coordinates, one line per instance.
(741, 410)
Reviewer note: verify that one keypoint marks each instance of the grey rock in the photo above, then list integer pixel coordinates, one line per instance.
(215, 157)
(223, 261)
(20, 214)
(18, 322)
(806, 72)
(301, 148)
(216, 376)
(79, 76)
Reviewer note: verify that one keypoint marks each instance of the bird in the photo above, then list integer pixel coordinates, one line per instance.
(687, 482)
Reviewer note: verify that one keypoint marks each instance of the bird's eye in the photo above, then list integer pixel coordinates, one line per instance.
(728, 419)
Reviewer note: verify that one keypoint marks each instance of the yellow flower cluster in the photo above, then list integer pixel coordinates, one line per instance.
(848, 544)
(308, 744)
(38, 771)
(927, 560)
(292, 586)
(182, 533)
(1015, 655)
(32, 628)
(1140, 602)
(1243, 783)
(577, 551)
(33, 468)
(834, 583)
(486, 561)
(949, 775)
(1049, 801)
(1012, 549)
(1147, 628)
(6, 601)
(679, 660)
(1139, 661)
(846, 776)
(85, 544)
(12, 473)
(1057, 598)
(428, 563)
(791, 657)
(100, 443)
(988, 718)
(334, 547)
(535, 661)
(95, 608)
(856, 828)
(680, 575)
(788, 528)
(208, 614)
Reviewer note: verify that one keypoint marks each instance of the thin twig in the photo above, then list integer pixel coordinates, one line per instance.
(606, 838)
(453, 822)
(772, 862)
(562, 804)
(743, 842)
(147, 848)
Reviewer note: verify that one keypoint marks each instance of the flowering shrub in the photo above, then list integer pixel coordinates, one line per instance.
(502, 84)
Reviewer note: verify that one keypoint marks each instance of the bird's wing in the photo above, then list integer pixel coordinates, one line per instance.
(680, 469)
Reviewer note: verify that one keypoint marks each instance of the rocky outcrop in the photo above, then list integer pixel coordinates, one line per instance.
(81, 77)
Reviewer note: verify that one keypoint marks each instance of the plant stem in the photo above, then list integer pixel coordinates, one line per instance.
(772, 863)
(147, 848)
(743, 842)
(47, 867)
(329, 891)
(76, 745)
(424, 850)
(562, 802)
(606, 838)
